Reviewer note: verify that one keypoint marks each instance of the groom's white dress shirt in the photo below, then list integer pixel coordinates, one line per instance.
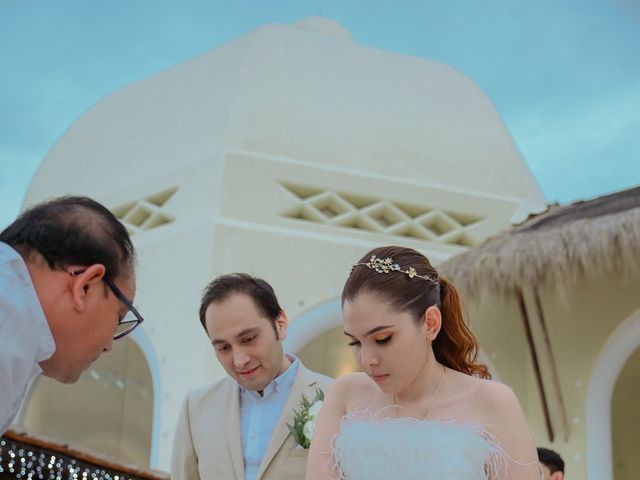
(259, 416)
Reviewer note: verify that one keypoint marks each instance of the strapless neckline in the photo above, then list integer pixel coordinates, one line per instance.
(376, 447)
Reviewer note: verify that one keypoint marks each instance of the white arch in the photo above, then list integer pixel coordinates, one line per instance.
(140, 337)
(313, 322)
(142, 341)
(618, 348)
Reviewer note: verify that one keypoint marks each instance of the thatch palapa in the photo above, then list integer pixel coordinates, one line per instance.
(591, 239)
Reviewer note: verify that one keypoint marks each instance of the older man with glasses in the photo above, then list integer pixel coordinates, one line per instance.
(67, 284)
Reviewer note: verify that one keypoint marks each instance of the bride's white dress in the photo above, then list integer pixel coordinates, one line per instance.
(371, 448)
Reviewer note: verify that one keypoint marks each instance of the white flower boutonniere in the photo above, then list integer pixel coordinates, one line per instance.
(304, 420)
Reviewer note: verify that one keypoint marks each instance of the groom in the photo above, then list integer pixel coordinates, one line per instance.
(237, 428)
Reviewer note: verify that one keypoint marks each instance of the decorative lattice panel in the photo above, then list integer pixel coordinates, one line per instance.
(343, 210)
(146, 214)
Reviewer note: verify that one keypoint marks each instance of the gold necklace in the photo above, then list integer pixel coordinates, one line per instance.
(435, 394)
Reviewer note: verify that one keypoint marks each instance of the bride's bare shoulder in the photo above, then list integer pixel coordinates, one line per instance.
(353, 380)
(479, 388)
(494, 392)
(352, 386)
(495, 401)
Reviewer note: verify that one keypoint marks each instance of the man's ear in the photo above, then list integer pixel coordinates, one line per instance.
(557, 476)
(84, 283)
(432, 322)
(281, 324)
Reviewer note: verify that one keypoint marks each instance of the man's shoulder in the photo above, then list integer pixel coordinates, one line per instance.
(314, 378)
(14, 275)
(210, 392)
(13, 266)
(7, 253)
(19, 300)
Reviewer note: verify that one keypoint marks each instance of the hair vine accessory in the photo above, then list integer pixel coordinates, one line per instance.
(386, 265)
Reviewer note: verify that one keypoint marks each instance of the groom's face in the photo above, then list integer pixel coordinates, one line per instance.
(246, 342)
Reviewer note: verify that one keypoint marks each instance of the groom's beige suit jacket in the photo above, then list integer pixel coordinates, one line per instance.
(208, 444)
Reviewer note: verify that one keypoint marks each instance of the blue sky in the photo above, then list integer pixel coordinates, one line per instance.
(565, 76)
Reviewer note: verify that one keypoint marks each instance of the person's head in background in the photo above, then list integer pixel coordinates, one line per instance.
(551, 463)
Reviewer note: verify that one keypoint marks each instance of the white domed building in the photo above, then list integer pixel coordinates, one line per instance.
(287, 153)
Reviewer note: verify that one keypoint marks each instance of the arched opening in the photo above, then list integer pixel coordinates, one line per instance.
(625, 420)
(316, 337)
(328, 353)
(610, 367)
(312, 323)
(109, 410)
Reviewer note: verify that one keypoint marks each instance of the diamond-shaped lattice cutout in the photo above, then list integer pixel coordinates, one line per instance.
(353, 211)
(301, 191)
(138, 215)
(159, 199)
(145, 214)
(438, 223)
(418, 231)
(386, 214)
(308, 213)
(464, 241)
(330, 205)
(463, 219)
(156, 220)
(458, 237)
(359, 222)
(121, 211)
(401, 229)
(412, 211)
(358, 201)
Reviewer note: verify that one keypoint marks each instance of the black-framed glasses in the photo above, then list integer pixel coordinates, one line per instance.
(131, 319)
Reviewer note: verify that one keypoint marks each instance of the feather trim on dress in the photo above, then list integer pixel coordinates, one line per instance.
(369, 447)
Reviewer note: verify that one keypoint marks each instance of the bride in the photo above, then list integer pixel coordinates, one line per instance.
(422, 408)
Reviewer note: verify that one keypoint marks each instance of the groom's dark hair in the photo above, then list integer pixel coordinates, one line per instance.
(257, 289)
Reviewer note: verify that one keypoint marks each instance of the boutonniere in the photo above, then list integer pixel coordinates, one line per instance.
(304, 419)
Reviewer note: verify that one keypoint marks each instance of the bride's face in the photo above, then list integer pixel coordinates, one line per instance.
(388, 345)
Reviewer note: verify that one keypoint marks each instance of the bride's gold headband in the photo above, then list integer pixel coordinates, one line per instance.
(386, 265)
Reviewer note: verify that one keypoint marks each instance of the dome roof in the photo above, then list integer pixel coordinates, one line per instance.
(306, 92)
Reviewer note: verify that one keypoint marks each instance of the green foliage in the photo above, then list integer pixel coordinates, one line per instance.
(301, 417)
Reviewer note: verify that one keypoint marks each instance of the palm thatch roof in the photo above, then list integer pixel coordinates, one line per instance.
(592, 239)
